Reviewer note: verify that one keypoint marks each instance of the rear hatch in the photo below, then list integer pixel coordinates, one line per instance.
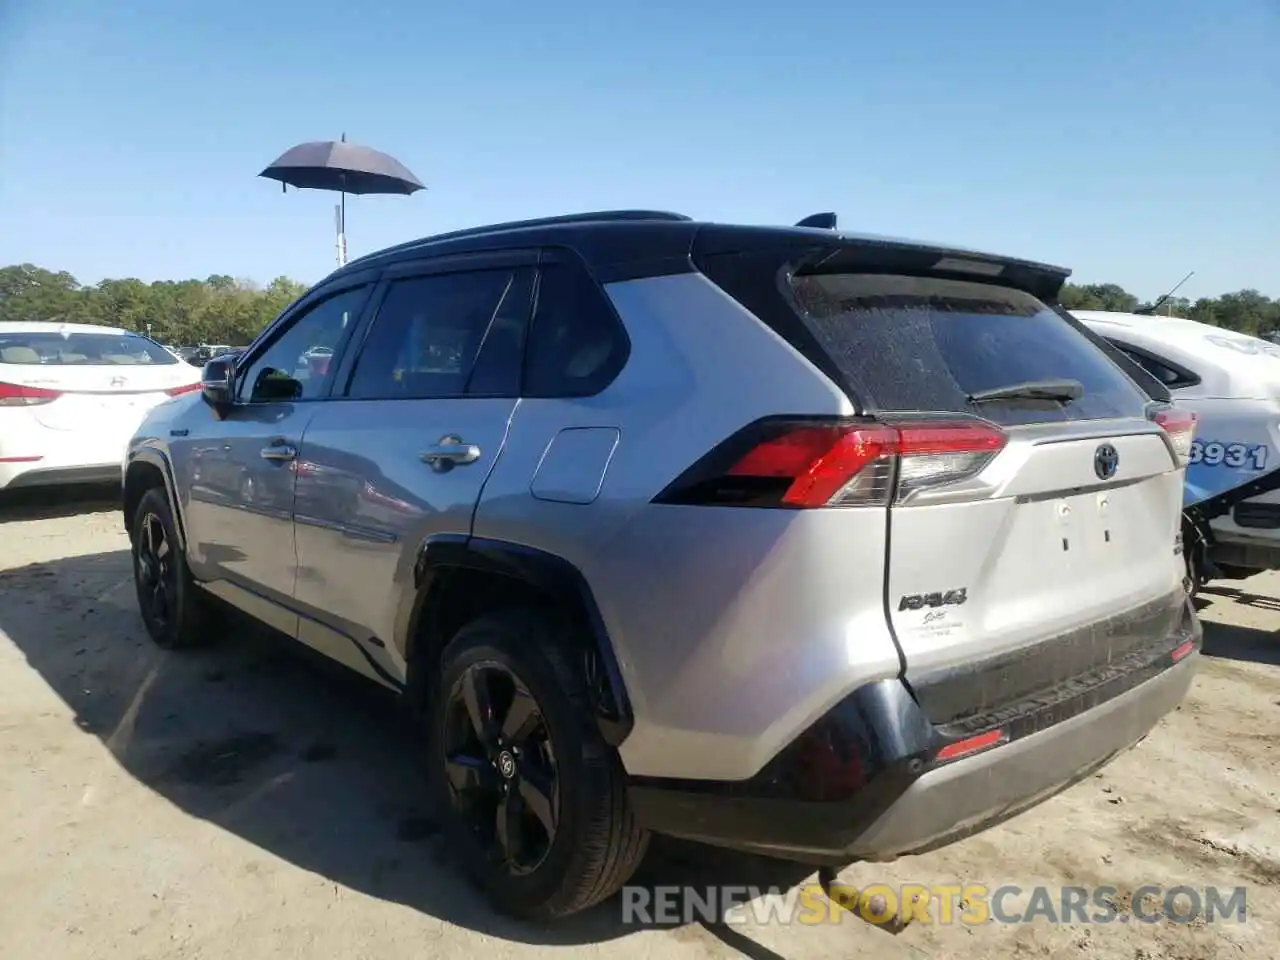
(1033, 489)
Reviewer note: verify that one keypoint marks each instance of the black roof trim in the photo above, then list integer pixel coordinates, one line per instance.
(568, 219)
(631, 244)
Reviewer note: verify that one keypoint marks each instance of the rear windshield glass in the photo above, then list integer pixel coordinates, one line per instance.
(81, 349)
(919, 344)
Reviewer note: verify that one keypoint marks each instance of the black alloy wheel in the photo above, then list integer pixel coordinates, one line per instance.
(157, 574)
(500, 766)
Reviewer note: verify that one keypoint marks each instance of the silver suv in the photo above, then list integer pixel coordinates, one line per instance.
(814, 545)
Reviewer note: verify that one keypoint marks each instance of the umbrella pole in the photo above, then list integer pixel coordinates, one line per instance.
(340, 220)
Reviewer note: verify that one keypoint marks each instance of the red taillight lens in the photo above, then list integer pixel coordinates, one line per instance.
(15, 395)
(819, 461)
(804, 464)
(1180, 427)
(185, 388)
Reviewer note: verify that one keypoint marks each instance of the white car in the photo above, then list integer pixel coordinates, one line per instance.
(71, 396)
(1232, 383)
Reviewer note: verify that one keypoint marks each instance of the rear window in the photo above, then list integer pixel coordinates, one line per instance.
(51, 348)
(925, 344)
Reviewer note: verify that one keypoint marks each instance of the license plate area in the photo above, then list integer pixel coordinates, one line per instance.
(1087, 531)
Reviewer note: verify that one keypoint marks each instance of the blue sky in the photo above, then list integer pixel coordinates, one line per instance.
(1131, 141)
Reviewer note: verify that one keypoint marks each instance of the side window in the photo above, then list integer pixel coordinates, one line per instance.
(298, 364)
(1167, 374)
(446, 335)
(576, 344)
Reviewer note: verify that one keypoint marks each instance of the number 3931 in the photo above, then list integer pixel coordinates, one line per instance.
(1237, 456)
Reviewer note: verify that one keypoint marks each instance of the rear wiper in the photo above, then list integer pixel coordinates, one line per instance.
(1062, 390)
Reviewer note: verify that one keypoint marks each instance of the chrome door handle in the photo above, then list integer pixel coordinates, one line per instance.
(280, 451)
(449, 452)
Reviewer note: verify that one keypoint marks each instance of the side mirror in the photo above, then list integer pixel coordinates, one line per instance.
(217, 383)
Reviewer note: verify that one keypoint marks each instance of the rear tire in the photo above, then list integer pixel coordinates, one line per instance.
(1230, 571)
(173, 609)
(1192, 579)
(536, 809)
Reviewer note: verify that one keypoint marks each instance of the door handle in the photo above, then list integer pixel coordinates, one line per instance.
(451, 451)
(279, 450)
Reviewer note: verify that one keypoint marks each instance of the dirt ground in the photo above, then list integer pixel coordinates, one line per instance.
(245, 802)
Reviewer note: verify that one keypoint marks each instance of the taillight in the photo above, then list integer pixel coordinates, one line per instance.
(185, 388)
(803, 464)
(1180, 427)
(16, 395)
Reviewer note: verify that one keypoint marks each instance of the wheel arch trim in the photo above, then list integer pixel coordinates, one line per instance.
(538, 568)
(154, 457)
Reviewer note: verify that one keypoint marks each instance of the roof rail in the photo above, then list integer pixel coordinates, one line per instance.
(599, 216)
(821, 221)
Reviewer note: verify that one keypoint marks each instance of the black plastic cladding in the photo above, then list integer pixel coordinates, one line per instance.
(878, 741)
(540, 569)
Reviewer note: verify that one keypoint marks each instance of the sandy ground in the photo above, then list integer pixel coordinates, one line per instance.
(244, 802)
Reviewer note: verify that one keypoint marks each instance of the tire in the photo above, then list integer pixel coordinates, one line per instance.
(183, 617)
(1230, 571)
(596, 844)
(1192, 579)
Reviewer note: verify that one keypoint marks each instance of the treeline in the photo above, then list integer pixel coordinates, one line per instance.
(222, 309)
(219, 309)
(1247, 311)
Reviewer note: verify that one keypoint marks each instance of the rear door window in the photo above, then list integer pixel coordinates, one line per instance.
(446, 335)
(914, 344)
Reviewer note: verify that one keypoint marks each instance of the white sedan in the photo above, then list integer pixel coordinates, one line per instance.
(71, 396)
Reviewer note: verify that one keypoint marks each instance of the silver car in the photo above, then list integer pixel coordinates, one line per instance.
(815, 545)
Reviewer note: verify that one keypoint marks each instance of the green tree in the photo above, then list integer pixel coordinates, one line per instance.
(1099, 296)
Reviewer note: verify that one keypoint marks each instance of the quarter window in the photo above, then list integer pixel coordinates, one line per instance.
(576, 344)
(1171, 376)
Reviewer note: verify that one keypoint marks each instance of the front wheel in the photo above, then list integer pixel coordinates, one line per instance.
(173, 611)
(534, 800)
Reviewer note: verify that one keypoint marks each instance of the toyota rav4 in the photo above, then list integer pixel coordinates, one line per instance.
(815, 545)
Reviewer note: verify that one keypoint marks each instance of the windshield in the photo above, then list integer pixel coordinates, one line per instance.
(917, 344)
(34, 348)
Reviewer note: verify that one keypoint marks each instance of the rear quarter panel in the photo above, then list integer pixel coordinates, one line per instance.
(733, 628)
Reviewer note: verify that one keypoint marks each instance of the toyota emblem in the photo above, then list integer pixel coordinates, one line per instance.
(1105, 461)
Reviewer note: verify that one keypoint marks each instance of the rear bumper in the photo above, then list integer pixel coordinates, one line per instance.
(34, 456)
(898, 798)
(37, 475)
